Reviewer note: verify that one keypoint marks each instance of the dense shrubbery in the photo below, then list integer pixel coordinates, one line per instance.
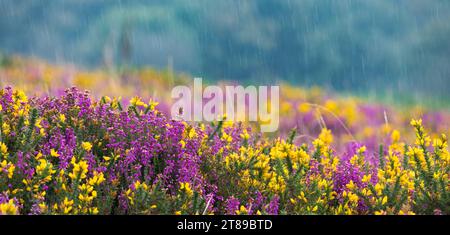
(72, 154)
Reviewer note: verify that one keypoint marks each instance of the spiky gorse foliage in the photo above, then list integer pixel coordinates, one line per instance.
(75, 155)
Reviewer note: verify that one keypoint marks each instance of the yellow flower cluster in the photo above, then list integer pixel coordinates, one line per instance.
(45, 170)
(80, 169)
(186, 188)
(9, 208)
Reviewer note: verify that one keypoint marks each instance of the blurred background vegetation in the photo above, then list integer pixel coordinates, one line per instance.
(397, 51)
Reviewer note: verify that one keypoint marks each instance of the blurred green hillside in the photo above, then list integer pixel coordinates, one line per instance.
(378, 47)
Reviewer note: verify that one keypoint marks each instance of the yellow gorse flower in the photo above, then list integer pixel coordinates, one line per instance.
(97, 179)
(182, 143)
(395, 136)
(242, 211)
(138, 185)
(43, 207)
(326, 136)
(6, 128)
(62, 118)
(152, 104)
(54, 153)
(7, 167)
(9, 208)
(136, 101)
(186, 187)
(244, 135)
(45, 169)
(80, 169)
(3, 149)
(67, 205)
(351, 185)
(86, 146)
(226, 137)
